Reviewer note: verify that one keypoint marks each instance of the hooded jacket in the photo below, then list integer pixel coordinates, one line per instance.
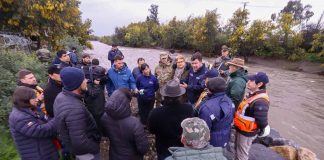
(163, 72)
(120, 79)
(52, 89)
(125, 132)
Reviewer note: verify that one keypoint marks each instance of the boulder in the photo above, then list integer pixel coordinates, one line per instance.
(259, 151)
(288, 152)
(306, 154)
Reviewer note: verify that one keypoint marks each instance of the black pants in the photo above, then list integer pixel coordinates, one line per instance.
(144, 108)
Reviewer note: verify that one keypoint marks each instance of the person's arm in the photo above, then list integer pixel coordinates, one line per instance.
(132, 82)
(260, 109)
(76, 123)
(142, 145)
(198, 86)
(138, 83)
(110, 56)
(156, 84)
(204, 114)
(237, 93)
(30, 127)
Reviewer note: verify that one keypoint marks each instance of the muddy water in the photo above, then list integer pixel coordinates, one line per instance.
(297, 107)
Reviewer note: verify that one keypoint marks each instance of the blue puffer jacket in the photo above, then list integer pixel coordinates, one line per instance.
(218, 111)
(33, 134)
(150, 85)
(120, 79)
(195, 83)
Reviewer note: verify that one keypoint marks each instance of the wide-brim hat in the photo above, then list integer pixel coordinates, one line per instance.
(172, 89)
(237, 62)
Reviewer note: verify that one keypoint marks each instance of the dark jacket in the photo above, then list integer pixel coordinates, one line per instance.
(136, 73)
(112, 54)
(258, 110)
(52, 89)
(218, 111)
(33, 134)
(76, 126)
(150, 85)
(63, 65)
(125, 132)
(56, 61)
(73, 57)
(81, 65)
(120, 79)
(236, 86)
(195, 83)
(165, 122)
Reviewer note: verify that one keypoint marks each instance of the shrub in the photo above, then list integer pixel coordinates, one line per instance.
(10, 64)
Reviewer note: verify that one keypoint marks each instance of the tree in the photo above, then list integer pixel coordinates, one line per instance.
(205, 30)
(45, 21)
(153, 17)
(237, 30)
(300, 13)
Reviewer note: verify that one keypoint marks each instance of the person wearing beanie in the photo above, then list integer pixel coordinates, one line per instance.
(217, 111)
(53, 88)
(209, 74)
(251, 117)
(195, 138)
(76, 126)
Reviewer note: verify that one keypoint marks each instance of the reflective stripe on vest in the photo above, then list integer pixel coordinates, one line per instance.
(246, 123)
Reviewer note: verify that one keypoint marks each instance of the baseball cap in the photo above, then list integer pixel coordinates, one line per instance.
(259, 77)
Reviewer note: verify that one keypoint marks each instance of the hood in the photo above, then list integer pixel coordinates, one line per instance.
(118, 105)
(19, 83)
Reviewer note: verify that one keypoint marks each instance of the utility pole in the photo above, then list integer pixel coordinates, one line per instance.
(244, 4)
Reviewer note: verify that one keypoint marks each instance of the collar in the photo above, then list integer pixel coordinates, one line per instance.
(257, 92)
(69, 93)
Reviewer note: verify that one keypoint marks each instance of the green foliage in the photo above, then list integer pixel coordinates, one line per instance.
(68, 42)
(47, 21)
(137, 35)
(10, 64)
(7, 148)
(105, 40)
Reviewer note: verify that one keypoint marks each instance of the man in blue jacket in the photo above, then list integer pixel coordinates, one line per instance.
(113, 53)
(217, 111)
(195, 81)
(119, 76)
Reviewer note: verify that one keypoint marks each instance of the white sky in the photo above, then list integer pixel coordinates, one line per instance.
(108, 14)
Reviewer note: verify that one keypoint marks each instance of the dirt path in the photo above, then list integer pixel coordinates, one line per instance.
(297, 107)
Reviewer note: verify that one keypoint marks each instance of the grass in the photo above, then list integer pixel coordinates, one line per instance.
(7, 147)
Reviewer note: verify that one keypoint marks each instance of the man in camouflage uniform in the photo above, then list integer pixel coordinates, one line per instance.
(195, 138)
(163, 72)
(220, 62)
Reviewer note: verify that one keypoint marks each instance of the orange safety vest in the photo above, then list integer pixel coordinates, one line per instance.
(246, 123)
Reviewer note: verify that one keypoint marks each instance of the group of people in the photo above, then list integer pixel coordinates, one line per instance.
(192, 108)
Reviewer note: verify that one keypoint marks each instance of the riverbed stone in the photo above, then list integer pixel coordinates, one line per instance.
(288, 152)
(306, 154)
(259, 151)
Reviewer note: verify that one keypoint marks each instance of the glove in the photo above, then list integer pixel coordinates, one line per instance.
(265, 132)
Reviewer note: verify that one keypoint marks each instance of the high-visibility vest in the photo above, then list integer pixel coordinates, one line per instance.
(246, 123)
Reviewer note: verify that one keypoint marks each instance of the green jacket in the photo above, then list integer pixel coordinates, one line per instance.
(236, 86)
(207, 153)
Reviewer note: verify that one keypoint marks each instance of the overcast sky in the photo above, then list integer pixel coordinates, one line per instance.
(108, 14)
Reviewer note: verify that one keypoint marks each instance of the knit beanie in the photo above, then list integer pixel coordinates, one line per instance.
(72, 78)
(217, 84)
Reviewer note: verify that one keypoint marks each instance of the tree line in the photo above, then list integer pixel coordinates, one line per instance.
(286, 34)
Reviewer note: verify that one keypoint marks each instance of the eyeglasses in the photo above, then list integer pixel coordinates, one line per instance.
(180, 61)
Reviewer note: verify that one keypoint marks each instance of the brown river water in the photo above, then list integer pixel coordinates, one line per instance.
(297, 107)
